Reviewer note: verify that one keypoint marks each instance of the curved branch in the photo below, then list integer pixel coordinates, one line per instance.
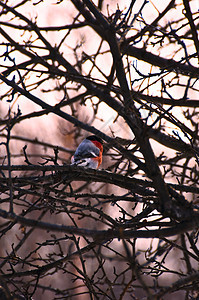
(104, 235)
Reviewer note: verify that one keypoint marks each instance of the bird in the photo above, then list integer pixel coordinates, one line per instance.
(89, 153)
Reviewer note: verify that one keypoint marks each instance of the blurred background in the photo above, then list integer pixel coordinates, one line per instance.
(28, 33)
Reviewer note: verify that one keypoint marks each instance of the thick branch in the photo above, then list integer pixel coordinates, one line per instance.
(105, 235)
(165, 64)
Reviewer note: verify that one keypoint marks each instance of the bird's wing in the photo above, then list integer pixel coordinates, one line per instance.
(86, 150)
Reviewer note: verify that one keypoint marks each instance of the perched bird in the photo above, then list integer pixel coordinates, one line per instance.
(89, 153)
